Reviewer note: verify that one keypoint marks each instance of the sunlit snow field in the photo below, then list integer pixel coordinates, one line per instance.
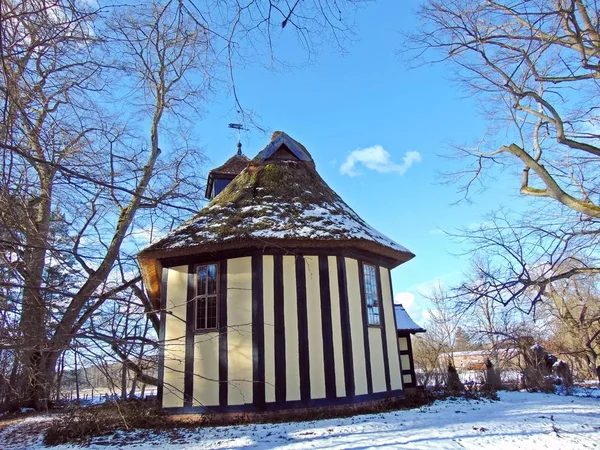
(518, 420)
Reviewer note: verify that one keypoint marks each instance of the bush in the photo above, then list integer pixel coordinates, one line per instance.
(453, 386)
(80, 424)
(488, 391)
(493, 382)
(538, 370)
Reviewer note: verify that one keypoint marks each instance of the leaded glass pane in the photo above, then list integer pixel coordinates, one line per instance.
(201, 313)
(206, 298)
(211, 312)
(202, 275)
(371, 295)
(211, 280)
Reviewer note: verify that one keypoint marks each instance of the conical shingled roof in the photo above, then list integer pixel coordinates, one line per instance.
(278, 200)
(233, 165)
(274, 199)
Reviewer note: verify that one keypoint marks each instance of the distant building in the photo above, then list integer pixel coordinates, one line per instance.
(275, 295)
(506, 358)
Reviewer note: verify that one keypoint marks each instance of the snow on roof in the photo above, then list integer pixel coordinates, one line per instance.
(278, 199)
(404, 322)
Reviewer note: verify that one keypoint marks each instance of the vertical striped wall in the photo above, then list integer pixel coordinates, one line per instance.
(293, 331)
(406, 360)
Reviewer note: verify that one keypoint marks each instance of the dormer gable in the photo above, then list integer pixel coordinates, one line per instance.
(283, 147)
(219, 178)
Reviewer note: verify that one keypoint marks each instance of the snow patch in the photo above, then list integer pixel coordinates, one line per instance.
(518, 420)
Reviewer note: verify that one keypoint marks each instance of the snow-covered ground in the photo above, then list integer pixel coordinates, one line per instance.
(518, 420)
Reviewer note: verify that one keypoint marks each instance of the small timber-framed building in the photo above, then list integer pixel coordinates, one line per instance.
(405, 328)
(275, 295)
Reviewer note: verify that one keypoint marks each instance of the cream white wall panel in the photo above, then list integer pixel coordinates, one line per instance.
(292, 372)
(390, 330)
(356, 327)
(315, 328)
(239, 334)
(336, 328)
(269, 318)
(405, 362)
(403, 342)
(206, 369)
(377, 365)
(175, 329)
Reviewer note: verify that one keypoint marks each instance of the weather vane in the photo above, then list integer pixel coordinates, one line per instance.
(239, 127)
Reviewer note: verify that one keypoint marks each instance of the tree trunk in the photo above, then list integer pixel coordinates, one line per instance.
(124, 382)
(133, 388)
(33, 316)
(593, 361)
(42, 385)
(76, 379)
(61, 371)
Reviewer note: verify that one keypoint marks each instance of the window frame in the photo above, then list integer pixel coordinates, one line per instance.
(206, 296)
(366, 297)
(215, 182)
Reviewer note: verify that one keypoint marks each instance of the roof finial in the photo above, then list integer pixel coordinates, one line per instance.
(239, 127)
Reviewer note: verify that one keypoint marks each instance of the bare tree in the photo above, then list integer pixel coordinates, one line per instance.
(574, 305)
(535, 66)
(515, 260)
(527, 267)
(435, 349)
(99, 109)
(69, 160)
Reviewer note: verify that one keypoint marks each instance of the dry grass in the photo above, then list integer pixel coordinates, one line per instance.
(80, 425)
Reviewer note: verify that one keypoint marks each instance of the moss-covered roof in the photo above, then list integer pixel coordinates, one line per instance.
(280, 201)
(275, 200)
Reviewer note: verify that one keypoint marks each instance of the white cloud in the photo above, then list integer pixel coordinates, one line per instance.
(378, 159)
(406, 299)
(427, 314)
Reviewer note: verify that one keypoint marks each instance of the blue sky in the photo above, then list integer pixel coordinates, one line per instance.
(362, 99)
